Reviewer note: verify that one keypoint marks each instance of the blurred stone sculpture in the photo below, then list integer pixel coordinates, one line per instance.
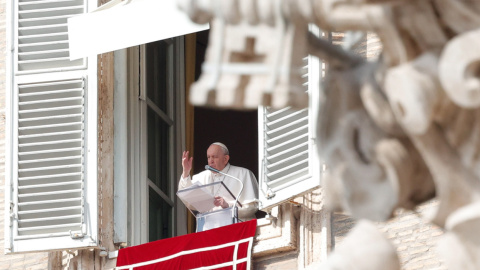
(254, 56)
(394, 132)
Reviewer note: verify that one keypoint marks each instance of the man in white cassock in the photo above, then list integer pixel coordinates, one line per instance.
(218, 157)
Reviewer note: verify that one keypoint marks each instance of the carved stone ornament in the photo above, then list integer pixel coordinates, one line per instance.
(395, 131)
(254, 56)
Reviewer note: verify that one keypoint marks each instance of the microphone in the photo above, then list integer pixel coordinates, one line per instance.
(212, 169)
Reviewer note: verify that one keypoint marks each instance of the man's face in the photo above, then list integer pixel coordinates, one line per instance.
(216, 158)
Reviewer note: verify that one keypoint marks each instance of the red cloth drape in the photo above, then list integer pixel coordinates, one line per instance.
(175, 247)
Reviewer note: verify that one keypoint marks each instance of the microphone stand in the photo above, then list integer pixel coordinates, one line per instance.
(235, 208)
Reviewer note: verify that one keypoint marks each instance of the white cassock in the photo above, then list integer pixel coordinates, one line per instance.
(249, 196)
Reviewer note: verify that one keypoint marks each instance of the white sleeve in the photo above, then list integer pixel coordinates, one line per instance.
(184, 182)
(250, 188)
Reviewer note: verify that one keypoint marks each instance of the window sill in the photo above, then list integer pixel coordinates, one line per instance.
(277, 235)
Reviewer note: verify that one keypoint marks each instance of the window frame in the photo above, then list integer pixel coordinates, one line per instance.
(138, 190)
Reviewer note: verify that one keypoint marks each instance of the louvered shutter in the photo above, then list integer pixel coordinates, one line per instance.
(42, 35)
(51, 126)
(289, 164)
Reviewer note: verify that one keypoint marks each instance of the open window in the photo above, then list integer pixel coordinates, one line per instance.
(152, 127)
(51, 171)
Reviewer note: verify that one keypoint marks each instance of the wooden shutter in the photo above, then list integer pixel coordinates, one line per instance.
(51, 127)
(289, 164)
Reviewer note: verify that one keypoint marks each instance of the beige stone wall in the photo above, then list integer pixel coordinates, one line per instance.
(414, 238)
(276, 242)
(22, 261)
(304, 221)
(281, 261)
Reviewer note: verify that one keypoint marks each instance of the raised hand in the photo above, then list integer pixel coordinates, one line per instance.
(186, 164)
